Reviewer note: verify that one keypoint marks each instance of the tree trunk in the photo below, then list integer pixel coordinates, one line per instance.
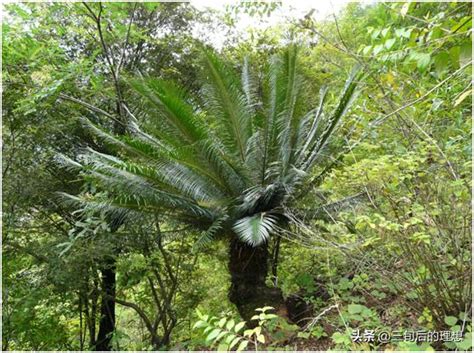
(156, 342)
(107, 309)
(248, 267)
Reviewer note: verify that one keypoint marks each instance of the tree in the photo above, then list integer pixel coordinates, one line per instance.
(74, 52)
(233, 167)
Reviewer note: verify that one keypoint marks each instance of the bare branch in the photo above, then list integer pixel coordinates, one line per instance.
(86, 105)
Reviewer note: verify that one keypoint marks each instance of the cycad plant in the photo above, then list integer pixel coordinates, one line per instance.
(232, 167)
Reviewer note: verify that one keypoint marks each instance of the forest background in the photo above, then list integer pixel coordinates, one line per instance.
(388, 246)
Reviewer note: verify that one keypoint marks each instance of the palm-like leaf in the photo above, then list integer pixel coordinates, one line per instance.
(255, 229)
(229, 166)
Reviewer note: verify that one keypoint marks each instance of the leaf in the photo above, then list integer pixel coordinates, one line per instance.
(234, 342)
(303, 334)
(222, 322)
(348, 95)
(389, 43)
(456, 328)
(226, 101)
(242, 346)
(450, 320)
(375, 33)
(454, 54)
(230, 324)
(378, 48)
(239, 326)
(199, 314)
(248, 333)
(230, 338)
(399, 32)
(463, 316)
(422, 61)
(462, 97)
(404, 9)
(222, 334)
(465, 53)
(355, 308)
(200, 324)
(255, 230)
(208, 329)
(441, 62)
(270, 316)
(357, 317)
(338, 337)
(214, 333)
(222, 347)
(208, 235)
(261, 338)
(407, 33)
(466, 343)
(366, 49)
(171, 102)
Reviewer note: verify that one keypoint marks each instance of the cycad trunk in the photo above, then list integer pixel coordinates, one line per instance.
(248, 267)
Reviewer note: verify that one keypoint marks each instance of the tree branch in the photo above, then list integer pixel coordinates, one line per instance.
(86, 105)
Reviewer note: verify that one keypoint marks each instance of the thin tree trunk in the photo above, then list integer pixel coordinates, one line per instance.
(81, 324)
(107, 309)
(248, 267)
(275, 256)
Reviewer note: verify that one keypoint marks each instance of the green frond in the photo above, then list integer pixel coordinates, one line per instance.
(131, 189)
(174, 177)
(172, 106)
(342, 106)
(254, 157)
(290, 117)
(210, 166)
(311, 135)
(249, 86)
(259, 199)
(255, 230)
(225, 100)
(179, 182)
(330, 210)
(209, 234)
(280, 130)
(97, 205)
(68, 163)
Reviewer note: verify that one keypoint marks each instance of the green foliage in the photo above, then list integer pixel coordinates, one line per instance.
(372, 205)
(224, 333)
(250, 161)
(227, 334)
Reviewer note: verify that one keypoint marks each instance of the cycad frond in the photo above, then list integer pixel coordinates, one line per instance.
(131, 188)
(172, 106)
(343, 104)
(310, 136)
(249, 86)
(209, 234)
(282, 119)
(255, 230)
(225, 100)
(330, 210)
